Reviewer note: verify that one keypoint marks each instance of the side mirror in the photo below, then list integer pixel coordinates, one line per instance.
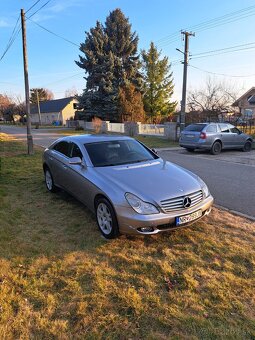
(75, 161)
(155, 151)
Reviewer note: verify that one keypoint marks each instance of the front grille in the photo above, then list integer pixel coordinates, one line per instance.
(176, 203)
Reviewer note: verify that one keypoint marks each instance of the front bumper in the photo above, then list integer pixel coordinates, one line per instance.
(131, 223)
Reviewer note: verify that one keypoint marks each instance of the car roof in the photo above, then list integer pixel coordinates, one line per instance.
(87, 138)
(205, 123)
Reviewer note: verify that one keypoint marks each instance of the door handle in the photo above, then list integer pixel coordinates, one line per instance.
(65, 167)
(51, 158)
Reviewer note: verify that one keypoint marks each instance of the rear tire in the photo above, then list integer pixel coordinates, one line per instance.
(106, 219)
(216, 148)
(49, 181)
(247, 146)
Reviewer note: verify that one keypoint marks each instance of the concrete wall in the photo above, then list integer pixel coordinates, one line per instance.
(168, 130)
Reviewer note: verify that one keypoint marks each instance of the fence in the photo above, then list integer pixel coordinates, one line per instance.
(152, 129)
(167, 130)
(116, 127)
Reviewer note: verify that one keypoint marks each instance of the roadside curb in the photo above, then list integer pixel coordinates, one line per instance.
(174, 148)
(235, 212)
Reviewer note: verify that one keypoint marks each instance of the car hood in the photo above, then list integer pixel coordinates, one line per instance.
(151, 181)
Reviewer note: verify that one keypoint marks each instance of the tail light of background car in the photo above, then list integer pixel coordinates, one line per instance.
(202, 135)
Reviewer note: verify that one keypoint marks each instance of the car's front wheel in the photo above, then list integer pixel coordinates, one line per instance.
(49, 181)
(106, 218)
(216, 148)
(247, 146)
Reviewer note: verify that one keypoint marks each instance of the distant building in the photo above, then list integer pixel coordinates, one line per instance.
(246, 104)
(54, 111)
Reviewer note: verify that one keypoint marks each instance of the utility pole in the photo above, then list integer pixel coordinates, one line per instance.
(184, 84)
(38, 106)
(30, 148)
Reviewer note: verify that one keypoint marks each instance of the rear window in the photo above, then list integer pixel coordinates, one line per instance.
(195, 127)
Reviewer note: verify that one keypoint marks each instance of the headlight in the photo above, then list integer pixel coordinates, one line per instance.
(204, 187)
(140, 206)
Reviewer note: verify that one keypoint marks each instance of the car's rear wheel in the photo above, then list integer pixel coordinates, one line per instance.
(190, 149)
(247, 146)
(216, 148)
(49, 181)
(106, 218)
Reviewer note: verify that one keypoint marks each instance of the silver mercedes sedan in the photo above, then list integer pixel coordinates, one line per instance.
(129, 188)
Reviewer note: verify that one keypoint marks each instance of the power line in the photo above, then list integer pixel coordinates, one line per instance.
(16, 31)
(225, 52)
(13, 36)
(60, 80)
(223, 49)
(33, 6)
(218, 21)
(46, 3)
(222, 74)
(55, 34)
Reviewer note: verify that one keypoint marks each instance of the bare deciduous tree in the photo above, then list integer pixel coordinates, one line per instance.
(212, 101)
(72, 92)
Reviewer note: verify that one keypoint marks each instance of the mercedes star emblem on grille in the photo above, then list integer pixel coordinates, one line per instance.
(186, 202)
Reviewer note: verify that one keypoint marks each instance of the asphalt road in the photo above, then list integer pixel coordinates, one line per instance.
(41, 137)
(230, 176)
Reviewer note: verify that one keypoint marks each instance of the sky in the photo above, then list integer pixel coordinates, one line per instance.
(225, 27)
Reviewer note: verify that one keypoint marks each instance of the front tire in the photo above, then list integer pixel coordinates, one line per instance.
(49, 181)
(216, 148)
(106, 219)
(247, 146)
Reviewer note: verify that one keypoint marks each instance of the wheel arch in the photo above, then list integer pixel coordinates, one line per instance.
(45, 166)
(217, 140)
(101, 195)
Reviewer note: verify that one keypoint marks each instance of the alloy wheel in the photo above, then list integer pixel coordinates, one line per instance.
(104, 218)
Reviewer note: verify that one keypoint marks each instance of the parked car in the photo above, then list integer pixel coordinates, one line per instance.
(129, 188)
(214, 137)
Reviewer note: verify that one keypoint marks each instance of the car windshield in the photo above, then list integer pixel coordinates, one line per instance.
(118, 152)
(195, 127)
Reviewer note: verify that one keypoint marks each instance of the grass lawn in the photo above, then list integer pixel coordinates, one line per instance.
(150, 141)
(60, 280)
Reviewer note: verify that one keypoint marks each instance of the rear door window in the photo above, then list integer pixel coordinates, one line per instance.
(63, 148)
(224, 128)
(195, 127)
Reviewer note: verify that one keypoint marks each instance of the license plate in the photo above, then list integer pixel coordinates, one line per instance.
(188, 218)
(190, 136)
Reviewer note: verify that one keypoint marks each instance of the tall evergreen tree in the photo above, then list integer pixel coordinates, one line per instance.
(110, 61)
(158, 85)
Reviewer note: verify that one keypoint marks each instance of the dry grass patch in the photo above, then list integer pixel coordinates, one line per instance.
(60, 279)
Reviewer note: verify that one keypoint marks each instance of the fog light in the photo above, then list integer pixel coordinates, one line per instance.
(147, 229)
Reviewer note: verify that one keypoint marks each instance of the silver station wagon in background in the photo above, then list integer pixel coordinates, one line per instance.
(128, 187)
(214, 137)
